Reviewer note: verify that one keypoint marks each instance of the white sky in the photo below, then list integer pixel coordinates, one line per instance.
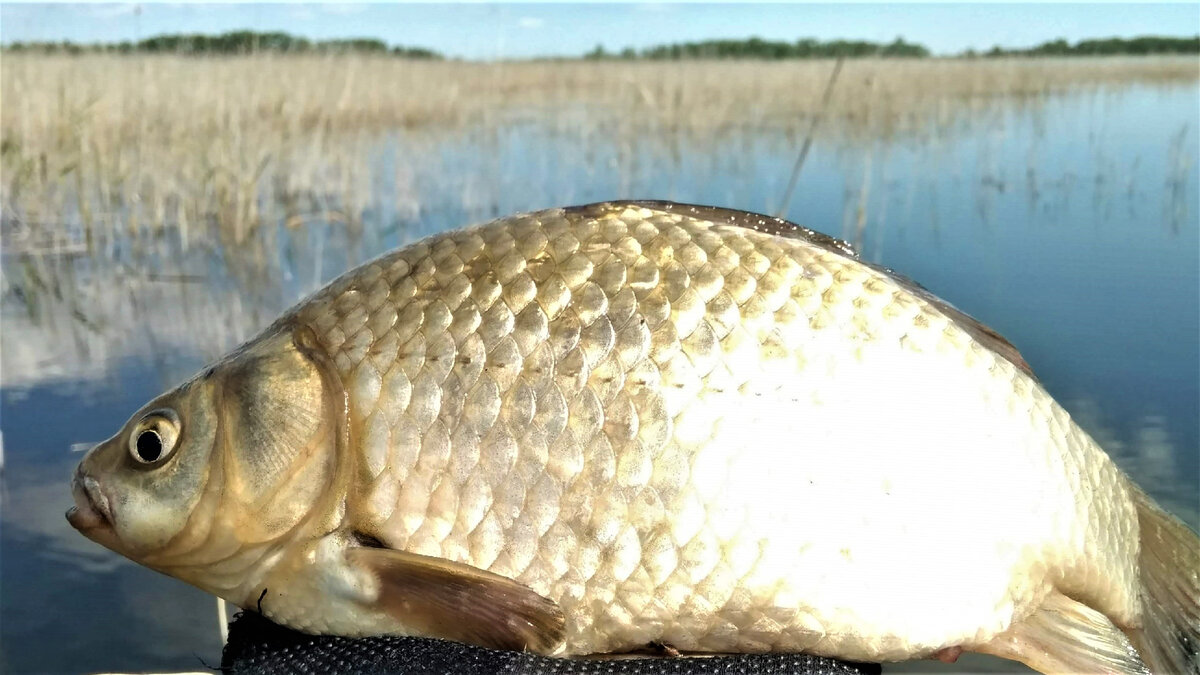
(510, 30)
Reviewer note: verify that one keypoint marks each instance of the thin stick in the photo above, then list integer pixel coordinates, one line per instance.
(223, 617)
(812, 128)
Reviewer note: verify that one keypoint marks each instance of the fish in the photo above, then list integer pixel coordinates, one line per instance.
(592, 429)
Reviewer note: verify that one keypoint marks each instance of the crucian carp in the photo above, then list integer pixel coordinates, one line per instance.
(591, 429)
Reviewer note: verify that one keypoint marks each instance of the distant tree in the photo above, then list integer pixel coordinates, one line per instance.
(415, 53)
(758, 48)
(234, 42)
(245, 42)
(900, 48)
(353, 45)
(1141, 46)
(1058, 47)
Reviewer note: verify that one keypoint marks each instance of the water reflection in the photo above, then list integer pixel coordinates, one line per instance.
(1146, 448)
(1070, 227)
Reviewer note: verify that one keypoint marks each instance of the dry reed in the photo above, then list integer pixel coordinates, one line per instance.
(114, 143)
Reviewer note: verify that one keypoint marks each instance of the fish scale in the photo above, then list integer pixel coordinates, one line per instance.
(508, 328)
(599, 428)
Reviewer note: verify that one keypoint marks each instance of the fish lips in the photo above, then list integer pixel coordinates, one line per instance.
(91, 514)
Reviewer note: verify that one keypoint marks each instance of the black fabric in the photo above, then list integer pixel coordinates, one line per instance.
(263, 648)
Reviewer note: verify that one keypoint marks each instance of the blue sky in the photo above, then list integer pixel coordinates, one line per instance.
(515, 30)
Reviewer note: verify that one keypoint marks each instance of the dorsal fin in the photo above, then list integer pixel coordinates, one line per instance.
(982, 333)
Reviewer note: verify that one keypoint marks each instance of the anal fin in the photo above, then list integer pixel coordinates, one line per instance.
(444, 599)
(1064, 636)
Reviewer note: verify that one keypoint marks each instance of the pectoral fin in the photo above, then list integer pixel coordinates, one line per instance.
(439, 598)
(1065, 636)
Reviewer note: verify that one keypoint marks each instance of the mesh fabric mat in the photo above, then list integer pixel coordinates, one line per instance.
(258, 646)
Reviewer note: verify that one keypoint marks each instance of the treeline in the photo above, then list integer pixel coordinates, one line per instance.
(1138, 46)
(757, 48)
(236, 42)
(247, 42)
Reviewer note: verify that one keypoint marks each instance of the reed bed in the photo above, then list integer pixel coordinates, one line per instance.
(111, 144)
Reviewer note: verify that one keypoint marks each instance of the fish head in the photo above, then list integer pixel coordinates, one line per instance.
(135, 491)
(230, 463)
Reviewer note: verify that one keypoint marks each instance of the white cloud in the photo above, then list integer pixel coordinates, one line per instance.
(108, 11)
(302, 13)
(531, 22)
(343, 8)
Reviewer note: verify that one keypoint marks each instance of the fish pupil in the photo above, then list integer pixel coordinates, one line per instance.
(149, 445)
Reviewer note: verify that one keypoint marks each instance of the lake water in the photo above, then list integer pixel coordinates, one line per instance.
(1070, 226)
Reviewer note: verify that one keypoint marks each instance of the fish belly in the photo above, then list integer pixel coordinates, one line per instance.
(715, 438)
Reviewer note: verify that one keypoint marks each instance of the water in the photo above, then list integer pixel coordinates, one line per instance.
(1070, 226)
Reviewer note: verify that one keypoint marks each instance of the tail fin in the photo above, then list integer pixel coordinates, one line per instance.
(1169, 640)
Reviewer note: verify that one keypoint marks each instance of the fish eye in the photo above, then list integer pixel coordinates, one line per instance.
(154, 437)
(149, 445)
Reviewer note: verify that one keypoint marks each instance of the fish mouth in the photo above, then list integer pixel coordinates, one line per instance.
(91, 511)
